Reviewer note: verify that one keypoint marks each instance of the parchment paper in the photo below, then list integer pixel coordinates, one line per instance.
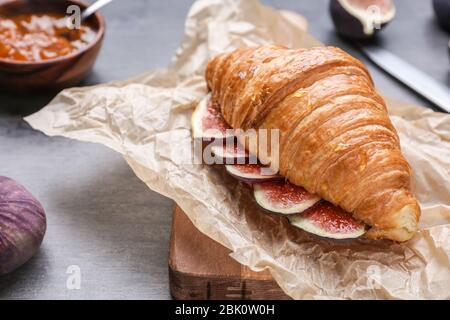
(147, 120)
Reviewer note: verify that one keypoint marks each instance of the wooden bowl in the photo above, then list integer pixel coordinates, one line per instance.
(54, 74)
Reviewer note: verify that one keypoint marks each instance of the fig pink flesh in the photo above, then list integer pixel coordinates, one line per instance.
(248, 168)
(255, 171)
(213, 118)
(285, 194)
(332, 219)
(232, 151)
(251, 172)
(236, 150)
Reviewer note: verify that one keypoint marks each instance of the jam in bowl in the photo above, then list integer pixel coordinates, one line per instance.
(39, 51)
(41, 36)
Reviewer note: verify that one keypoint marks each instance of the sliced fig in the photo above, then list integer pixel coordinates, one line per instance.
(361, 19)
(208, 123)
(232, 153)
(329, 221)
(283, 197)
(251, 172)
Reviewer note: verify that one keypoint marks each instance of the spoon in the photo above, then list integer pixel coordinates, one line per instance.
(89, 11)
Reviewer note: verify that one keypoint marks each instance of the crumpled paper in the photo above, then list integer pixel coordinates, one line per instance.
(147, 120)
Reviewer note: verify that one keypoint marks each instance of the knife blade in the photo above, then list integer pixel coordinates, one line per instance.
(436, 92)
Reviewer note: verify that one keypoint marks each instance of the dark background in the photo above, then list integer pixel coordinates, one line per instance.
(100, 216)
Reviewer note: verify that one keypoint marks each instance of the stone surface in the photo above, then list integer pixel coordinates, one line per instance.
(100, 216)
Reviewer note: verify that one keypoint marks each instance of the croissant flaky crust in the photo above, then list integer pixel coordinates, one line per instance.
(336, 139)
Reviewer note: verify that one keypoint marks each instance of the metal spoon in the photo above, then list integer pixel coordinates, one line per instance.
(93, 8)
(89, 11)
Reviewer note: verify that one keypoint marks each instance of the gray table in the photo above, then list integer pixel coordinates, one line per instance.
(100, 216)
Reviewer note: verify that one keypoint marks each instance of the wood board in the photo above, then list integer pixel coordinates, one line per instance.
(201, 268)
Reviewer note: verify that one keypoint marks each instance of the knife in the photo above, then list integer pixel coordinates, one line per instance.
(417, 80)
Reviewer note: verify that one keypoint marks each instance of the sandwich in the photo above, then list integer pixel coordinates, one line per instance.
(339, 171)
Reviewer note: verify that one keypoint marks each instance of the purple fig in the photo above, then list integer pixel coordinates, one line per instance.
(22, 225)
(361, 19)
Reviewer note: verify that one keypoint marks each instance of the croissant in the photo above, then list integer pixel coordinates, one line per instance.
(335, 136)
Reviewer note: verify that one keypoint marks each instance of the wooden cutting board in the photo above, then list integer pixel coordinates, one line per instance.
(200, 268)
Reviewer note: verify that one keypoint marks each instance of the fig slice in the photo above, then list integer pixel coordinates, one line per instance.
(283, 197)
(251, 172)
(207, 122)
(329, 221)
(231, 153)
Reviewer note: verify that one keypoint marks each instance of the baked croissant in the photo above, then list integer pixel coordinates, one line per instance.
(335, 137)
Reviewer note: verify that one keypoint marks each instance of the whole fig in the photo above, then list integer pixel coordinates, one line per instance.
(442, 12)
(22, 225)
(361, 19)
